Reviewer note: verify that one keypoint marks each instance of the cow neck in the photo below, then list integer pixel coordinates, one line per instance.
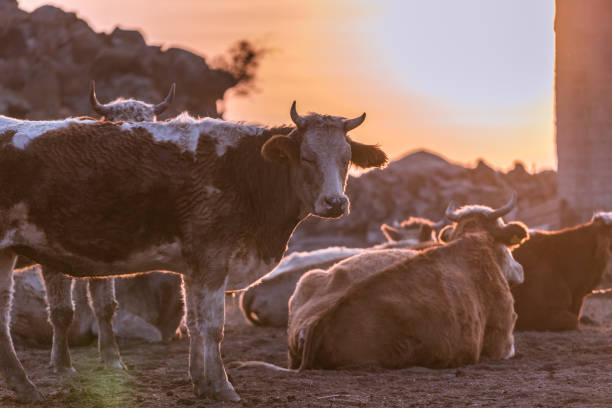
(267, 190)
(573, 252)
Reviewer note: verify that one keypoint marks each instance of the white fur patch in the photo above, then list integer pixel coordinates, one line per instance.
(512, 352)
(211, 190)
(605, 217)
(27, 130)
(25, 232)
(299, 260)
(184, 131)
(513, 271)
(476, 209)
(8, 239)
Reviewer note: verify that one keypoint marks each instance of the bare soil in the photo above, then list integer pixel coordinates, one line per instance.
(571, 369)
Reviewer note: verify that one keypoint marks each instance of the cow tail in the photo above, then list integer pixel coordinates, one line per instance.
(246, 301)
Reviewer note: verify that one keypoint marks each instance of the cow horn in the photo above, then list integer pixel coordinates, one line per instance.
(450, 212)
(500, 212)
(93, 100)
(160, 107)
(297, 119)
(351, 124)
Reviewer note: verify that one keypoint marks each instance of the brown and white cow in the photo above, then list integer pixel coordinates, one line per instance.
(214, 200)
(265, 302)
(441, 307)
(561, 269)
(62, 297)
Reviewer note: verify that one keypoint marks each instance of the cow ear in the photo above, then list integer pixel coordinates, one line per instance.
(366, 156)
(445, 234)
(281, 149)
(511, 234)
(392, 234)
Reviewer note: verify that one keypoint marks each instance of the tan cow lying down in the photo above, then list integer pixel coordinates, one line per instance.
(265, 301)
(152, 314)
(442, 307)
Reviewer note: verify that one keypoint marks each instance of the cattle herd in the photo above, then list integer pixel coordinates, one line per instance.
(215, 203)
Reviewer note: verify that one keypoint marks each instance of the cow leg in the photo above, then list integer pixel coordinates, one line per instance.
(209, 303)
(10, 366)
(196, 342)
(102, 293)
(59, 301)
(80, 332)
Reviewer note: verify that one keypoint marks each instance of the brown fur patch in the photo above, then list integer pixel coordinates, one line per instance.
(441, 308)
(561, 268)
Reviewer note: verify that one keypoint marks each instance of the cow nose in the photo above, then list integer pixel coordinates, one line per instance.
(336, 204)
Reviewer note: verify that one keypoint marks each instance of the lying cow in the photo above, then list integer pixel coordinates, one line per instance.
(561, 269)
(202, 197)
(150, 309)
(416, 228)
(265, 302)
(61, 297)
(442, 307)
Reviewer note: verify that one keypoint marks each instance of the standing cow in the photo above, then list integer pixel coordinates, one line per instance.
(561, 269)
(62, 299)
(202, 197)
(442, 307)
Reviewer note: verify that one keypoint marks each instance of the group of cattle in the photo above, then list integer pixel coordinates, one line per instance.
(217, 202)
(436, 303)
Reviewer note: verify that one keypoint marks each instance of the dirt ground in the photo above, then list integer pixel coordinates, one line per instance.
(550, 370)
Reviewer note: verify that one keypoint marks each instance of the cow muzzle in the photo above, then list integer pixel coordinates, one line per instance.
(332, 206)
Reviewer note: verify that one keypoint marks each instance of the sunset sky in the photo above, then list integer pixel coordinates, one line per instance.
(467, 79)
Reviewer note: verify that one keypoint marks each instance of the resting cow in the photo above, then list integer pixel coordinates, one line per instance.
(442, 307)
(561, 269)
(265, 302)
(202, 197)
(416, 228)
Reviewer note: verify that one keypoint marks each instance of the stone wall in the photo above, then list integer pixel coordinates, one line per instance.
(583, 105)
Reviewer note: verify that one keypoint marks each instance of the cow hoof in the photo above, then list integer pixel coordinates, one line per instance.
(28, 394)
(116, 365)
(63, 370)
(225, 392)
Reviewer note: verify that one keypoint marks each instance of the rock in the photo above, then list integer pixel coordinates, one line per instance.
(49, 56)
(129, 38)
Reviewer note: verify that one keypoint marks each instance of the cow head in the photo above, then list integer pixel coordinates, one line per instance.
(483, 219)
(419, 229)
(129, 110)
(319, 153)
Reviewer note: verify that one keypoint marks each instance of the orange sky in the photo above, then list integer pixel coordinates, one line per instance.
(467, 79)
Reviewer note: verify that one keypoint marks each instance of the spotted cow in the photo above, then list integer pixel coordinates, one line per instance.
(213, 200)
